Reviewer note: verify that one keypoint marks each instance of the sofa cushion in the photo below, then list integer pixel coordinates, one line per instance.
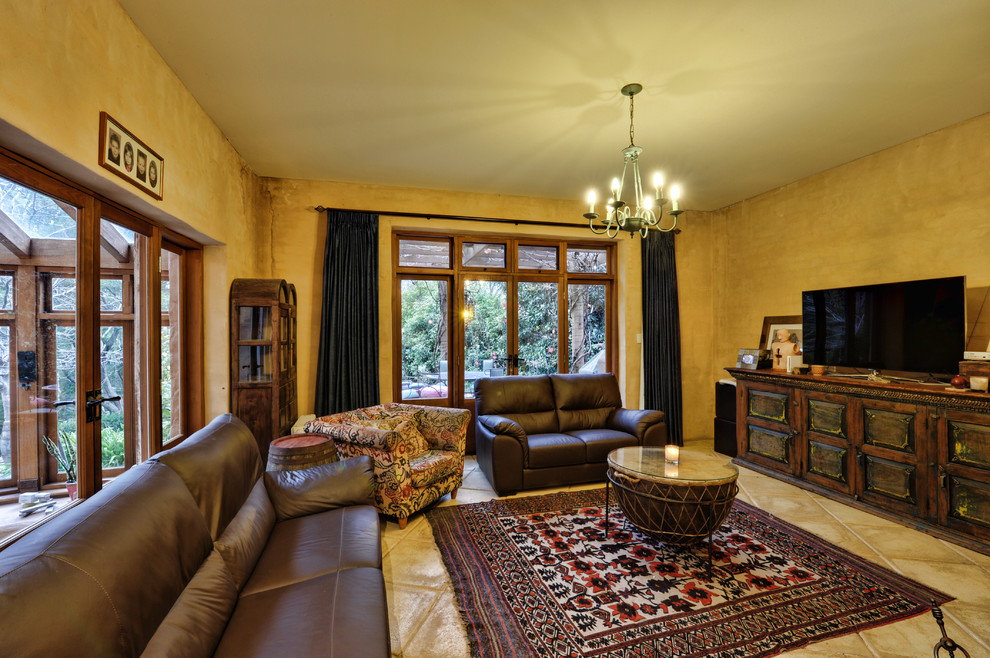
(220, 465)
(318, 544)
(195, 623)
(320, 488)
(241, 543)
(600, 442)
(585, 401)
(338, 614)
(547, 450)
(526, 400)
(100, 578)
(433, 466)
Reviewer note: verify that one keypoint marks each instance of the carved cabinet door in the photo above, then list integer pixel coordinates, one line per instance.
(963, 472)
(770, 422)
(892, 459)
(829, 458)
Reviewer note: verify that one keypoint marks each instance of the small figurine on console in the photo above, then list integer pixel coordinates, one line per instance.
(785, 344)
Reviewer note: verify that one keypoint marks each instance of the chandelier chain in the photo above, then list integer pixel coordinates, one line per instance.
(632, 99)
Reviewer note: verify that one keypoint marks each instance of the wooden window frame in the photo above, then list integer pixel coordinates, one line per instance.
(457, 273)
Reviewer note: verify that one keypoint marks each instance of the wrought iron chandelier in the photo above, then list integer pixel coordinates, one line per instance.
(648, 211)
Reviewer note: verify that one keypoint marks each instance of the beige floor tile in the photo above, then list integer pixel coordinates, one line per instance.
(476, 480)
(971, 555)
(468, 496)
(789, 507)
(912, 637)
(975, 619)
(760, 484)
(441, 635)
(966, 582)
(743, 496)
(408, 608)
(840, 535)
(414, 562)
(899, 541)
(849, 514)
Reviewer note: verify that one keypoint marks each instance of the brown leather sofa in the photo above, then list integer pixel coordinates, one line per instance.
(555, 430)
(198, 552)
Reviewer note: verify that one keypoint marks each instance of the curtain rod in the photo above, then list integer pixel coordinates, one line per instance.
(462, 218)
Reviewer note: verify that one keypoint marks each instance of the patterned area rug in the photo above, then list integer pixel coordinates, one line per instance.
(535, 576)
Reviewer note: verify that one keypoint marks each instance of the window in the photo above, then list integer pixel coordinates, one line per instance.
(505, 306)
(85, 325)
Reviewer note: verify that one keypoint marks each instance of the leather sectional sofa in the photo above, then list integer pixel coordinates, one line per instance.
(198, 552)
(555, 430)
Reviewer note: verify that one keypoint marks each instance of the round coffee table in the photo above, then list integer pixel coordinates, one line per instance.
(678, 504)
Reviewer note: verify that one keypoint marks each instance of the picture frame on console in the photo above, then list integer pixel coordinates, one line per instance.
(782, 335)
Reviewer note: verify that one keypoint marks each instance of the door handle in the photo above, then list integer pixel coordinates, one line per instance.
(94, 404)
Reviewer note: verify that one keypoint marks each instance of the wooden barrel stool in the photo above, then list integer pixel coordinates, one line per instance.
(298, 451)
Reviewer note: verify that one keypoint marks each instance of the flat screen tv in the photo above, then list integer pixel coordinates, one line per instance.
(911, 326)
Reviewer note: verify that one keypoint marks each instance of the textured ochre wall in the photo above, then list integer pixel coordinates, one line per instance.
(65, 62)
(914, 211)
(297, 249)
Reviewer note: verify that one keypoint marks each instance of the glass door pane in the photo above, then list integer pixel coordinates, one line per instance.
(425, 339)
(539, 351)
(120, 279)
(486, 336)
(171, 376)
(586, 328)
(6, 383)
(38, 341)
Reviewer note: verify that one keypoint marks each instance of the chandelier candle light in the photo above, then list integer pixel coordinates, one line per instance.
(648, 211)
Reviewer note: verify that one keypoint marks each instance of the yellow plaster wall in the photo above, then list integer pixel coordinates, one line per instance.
(914, 211)
(300, 232)
(64, 62)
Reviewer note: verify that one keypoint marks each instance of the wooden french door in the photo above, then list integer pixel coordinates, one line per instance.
(79, 306)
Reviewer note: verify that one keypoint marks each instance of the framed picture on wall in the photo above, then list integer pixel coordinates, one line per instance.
(782, 336)
(129, 157)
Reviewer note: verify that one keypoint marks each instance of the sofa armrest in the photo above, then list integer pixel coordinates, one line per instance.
(635, 421)
(320, 488)
(502, 425)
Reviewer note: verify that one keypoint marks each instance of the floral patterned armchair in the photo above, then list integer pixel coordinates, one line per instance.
(418, 451)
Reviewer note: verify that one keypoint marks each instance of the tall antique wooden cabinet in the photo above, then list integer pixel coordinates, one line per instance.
(916, 453)
(263, 357)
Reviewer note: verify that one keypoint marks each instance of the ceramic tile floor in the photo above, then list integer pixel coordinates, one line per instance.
(425, 622)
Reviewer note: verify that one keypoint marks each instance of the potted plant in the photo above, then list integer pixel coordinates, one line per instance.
(64, 452)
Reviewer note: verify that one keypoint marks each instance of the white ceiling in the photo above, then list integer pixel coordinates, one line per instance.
(521, 97)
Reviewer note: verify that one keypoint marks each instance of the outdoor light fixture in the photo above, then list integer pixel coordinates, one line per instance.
(649, 210)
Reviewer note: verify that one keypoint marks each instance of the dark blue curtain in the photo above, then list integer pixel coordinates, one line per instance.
(347, 367)
(662, 332)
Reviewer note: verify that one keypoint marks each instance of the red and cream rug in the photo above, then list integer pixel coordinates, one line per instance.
(536, 576)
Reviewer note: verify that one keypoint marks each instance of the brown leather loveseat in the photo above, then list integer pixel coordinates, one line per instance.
(197, 552)
(555, 430)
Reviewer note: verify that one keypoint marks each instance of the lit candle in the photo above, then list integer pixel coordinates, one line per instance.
(658, 183)
(615, 187)
(591, 201)
(675, 194)
(672, 453)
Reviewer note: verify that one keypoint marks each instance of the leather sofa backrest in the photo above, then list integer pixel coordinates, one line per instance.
(526, 400)
(585, 401)
(220, 465)
(98, 579)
